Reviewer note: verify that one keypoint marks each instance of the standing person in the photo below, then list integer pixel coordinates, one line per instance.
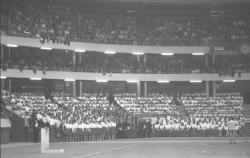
(148, 128)
(232, 127)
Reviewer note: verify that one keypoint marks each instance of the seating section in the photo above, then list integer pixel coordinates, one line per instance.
(93, 115)
(59, 60)
(153, 105)
(196, 123)
(232, 65)
(87, 111)
(60, 25)
(220, 105)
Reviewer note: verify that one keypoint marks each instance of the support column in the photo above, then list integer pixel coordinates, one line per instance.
(138, 58)
(206, 60)
(2, 54)
(74, 88)
(74, 59)
(213, 62)
(214, 88)
(9, 54)
(3, 83)
(145, 59)
(10, 88)
(80, 58)
(145, 89)
(80, 88)
(207, 88)
(138, 88)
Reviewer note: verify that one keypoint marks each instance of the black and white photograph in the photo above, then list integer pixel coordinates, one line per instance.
(125, 78)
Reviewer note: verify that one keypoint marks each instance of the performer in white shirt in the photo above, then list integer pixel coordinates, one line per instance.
(232, 127)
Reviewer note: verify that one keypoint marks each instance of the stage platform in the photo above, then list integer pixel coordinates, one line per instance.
(136, 148)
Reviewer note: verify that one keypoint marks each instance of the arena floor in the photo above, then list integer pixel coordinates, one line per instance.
(136, 148)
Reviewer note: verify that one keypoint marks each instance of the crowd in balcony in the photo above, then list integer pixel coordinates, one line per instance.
(232, 65)
(61, 25)
(33, 59)
(58, 60)
(62, 60)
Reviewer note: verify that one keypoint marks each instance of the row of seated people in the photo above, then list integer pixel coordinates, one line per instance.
(197, 123)
(59, 60)
(61, 25)
(147, 106)
(219, 105)
(93, 111)
(232, 64)
(83, 112)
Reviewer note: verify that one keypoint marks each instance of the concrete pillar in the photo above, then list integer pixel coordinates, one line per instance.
(145, 58)
(214, 88)
(80, 58)
(206, 60)
(2, 54)
(9, 54)
(145, 89)
(74, 59)
(207, 88)
(10, 88)
(74, 88)
(80, 88)
(138, 88)
(213, 58)
(213, 61)
(3, 84)
(138, 58)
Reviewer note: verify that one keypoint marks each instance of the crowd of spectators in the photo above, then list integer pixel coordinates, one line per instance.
(153, 105)
(86, 111)
(43, 22)
(95, 111)
(62, 60)
(232, 65)
(34, 59)
(228, 105)
(59, 60)
(197, 123)
(61, 25)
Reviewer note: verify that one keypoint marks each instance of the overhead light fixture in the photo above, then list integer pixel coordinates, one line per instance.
(198, 53)
(80, 50)
(138, 53)
(163, 81)
(132, 81)
(195, 81)
(102, 81)
(3, 77)
(167, 54)
(219, 48)
(69, 79)
(46, 48)
(35, 78)
(11, 45)
(228, 80)
(109, 52)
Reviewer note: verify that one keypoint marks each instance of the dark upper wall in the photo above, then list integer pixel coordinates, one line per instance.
(142, 6)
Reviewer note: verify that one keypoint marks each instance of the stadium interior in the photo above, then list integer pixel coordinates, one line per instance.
(101, 71)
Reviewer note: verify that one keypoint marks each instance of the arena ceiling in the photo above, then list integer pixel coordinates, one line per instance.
(179, 1)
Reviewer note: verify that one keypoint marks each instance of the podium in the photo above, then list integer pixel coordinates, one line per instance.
(45, 142)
